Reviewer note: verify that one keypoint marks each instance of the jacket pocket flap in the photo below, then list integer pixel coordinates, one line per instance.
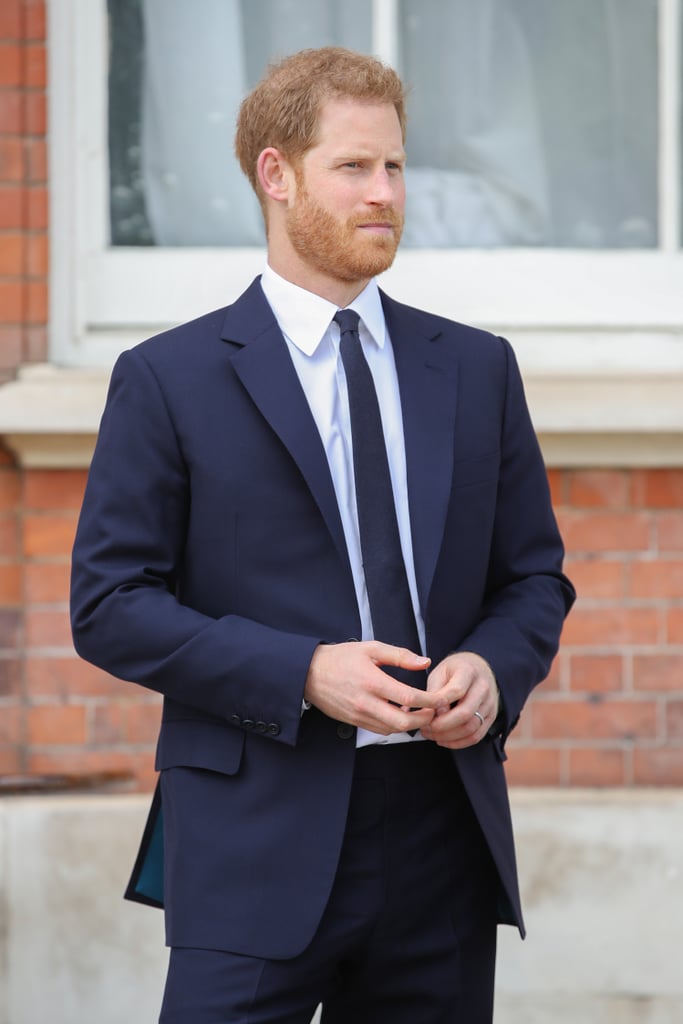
(190, 743)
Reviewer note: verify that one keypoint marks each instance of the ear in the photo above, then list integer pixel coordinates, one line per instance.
(275, 174)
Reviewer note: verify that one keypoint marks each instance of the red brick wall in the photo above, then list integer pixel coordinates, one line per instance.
(23, 188)
(57, 714)
(611, 713)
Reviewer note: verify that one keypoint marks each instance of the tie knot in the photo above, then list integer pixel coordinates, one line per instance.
(348, 321)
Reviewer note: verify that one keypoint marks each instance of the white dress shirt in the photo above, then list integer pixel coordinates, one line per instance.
(312, 338)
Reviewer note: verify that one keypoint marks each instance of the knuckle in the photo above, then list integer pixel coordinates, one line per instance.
(359, 705)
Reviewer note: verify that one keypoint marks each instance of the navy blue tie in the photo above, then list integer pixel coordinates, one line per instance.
(391, 607)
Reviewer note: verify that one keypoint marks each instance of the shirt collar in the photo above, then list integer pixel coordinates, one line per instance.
(304, 317)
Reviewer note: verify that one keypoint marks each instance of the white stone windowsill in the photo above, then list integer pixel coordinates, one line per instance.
(49, 416)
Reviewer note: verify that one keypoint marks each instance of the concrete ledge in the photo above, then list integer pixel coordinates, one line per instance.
(602, 883)
(602, 879)
(49, 416)
(71, 952)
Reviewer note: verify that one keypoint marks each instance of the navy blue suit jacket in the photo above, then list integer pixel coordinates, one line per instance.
(210, 561)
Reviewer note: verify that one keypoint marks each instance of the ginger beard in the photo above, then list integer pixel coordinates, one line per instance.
(339, 248)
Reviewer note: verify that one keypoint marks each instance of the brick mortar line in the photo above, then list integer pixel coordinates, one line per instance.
(148, 699)
(610, 697)
(25, 195)
(23, 755)
(632, 603)
(48, 606)
(627, 650)
(639, 556)
(91, 748)
(610, 744)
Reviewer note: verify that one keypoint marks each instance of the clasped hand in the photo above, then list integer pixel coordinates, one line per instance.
(346, 682)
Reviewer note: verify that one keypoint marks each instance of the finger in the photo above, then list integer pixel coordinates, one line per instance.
(439, 676)
(400, 694)
(457, 674)
(399, 657)
(461, 720)
(385, 718)
(468, 691)
(413, 720)
(451, 686)
(468, 721)
(467, 735)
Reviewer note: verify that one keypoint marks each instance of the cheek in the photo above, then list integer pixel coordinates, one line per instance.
(338, 194)
(341, 201)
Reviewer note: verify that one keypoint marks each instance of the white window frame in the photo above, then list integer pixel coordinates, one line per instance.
(567, 311)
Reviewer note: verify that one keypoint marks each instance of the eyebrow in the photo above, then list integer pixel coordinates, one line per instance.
(396, 157)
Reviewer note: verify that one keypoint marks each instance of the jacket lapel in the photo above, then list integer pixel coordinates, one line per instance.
(263, 364)
(427, 375)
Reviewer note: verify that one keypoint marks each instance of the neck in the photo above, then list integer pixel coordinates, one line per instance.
(292, 269)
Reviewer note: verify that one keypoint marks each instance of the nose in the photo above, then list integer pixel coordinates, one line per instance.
(384, 188)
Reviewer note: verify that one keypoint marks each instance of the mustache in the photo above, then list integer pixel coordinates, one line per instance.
(386, 216)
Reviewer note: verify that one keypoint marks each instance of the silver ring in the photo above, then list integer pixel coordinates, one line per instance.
(479, 716)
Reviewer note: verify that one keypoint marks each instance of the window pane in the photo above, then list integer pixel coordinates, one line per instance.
(127, 208)
(176, 80)
(531, 122)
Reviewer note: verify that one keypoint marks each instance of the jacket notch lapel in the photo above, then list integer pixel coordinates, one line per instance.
(265, 369)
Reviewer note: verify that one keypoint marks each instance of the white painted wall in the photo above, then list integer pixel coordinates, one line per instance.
(602, 875)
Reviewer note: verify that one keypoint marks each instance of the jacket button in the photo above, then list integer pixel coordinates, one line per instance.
(236, 720)
(260, 727)
(248, 723)
(344, 731)
(273, 729)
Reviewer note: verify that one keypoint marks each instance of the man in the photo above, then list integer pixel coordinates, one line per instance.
(336, 824)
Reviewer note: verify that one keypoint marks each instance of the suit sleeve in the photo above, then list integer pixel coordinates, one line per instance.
(527, 594)
(125, 613)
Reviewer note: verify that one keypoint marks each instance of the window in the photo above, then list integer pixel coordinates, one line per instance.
(544, 169)
(532, 122)
(174, 179)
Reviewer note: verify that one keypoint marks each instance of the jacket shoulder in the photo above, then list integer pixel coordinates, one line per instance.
(432, 325)
(191, 335)
(201, 333)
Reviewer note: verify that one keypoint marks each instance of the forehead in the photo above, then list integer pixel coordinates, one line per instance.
(344, 121)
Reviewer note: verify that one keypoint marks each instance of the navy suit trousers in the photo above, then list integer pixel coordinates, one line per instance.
(409, 933)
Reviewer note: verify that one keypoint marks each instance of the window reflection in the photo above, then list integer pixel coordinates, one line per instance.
(531, 122)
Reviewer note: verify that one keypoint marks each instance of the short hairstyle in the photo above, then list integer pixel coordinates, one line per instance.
(283, 109)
